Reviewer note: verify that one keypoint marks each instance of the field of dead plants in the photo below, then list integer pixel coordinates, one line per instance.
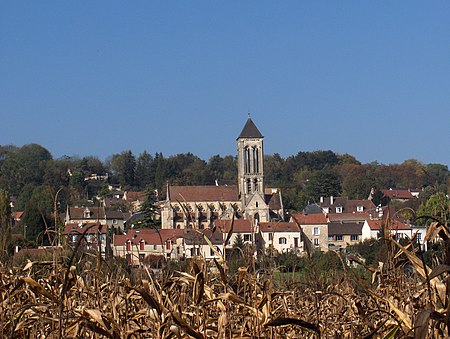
(87, 297)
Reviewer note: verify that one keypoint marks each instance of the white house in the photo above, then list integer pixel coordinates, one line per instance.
(372, 228)
(281, 236)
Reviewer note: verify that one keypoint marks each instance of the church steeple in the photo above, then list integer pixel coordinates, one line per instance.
(250, 130)
(250, 161)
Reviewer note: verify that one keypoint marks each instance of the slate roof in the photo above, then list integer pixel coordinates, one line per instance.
(250, 130)
(348, 205)
(273, 200)
(349, 217)
(313, 209)
(203, 193)
(335, 228)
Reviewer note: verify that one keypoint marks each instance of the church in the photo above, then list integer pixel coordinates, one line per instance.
(200, 206)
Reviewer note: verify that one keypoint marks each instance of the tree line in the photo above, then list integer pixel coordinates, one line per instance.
(33, 178)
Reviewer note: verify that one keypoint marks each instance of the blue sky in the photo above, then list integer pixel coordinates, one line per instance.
(369, 78)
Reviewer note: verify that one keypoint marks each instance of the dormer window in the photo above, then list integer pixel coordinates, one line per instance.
(339, 209)
(359, 208)
(326, 210)
(87, 213)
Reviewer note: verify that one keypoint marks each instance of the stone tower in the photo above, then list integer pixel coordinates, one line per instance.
(251, 171)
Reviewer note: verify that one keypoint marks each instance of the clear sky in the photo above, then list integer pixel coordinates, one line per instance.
(369, 78)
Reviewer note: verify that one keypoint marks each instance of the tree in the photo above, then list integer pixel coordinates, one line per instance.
(24, 165)
(123, 167)
(37, 218)
(323, 183)
(5, 224)
(149, 212)
(379, 199)
(145, 171)
(437, 207)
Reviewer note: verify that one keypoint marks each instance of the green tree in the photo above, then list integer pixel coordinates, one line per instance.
(145, 171)
(123, 167)
(5, 224)
(24, 165)
(323, 183)
(437, 207)
(37, 218)
(149, 212)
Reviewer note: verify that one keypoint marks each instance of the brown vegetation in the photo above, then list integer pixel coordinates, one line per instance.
(95, 299)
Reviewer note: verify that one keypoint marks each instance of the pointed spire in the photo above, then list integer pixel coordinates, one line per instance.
(250, 130)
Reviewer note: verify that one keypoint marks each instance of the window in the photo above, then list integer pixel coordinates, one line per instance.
(330, 238)
(316, 231)
(247, 237)
(115, 221)
(419, 237)
(339, 209)
(155, 247)
(141, 257)
(271, 237)
(282, 241)
(316, 242)
(338, 237)
(354, 237)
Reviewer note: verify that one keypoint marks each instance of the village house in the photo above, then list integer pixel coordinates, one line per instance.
(114, 219)
(399, 194)
(341, 235)
(314, 227)
(175, 244)
(89, 236)
(281, 236)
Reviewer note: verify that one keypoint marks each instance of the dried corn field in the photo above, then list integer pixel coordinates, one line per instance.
(92, 299)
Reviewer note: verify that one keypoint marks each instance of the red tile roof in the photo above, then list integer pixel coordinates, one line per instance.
(398, 193)
(310, 219)
(149, 236)
(87, 228)
(279, 227)
(393, 225)
(37, 252)
(17, 215)
(77, 213)
(203, 193)
(135, 196)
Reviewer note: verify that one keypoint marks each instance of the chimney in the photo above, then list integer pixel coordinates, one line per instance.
(331, 200)
(321, 200)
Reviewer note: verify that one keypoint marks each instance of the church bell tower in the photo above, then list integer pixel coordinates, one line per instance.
(250, 161)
